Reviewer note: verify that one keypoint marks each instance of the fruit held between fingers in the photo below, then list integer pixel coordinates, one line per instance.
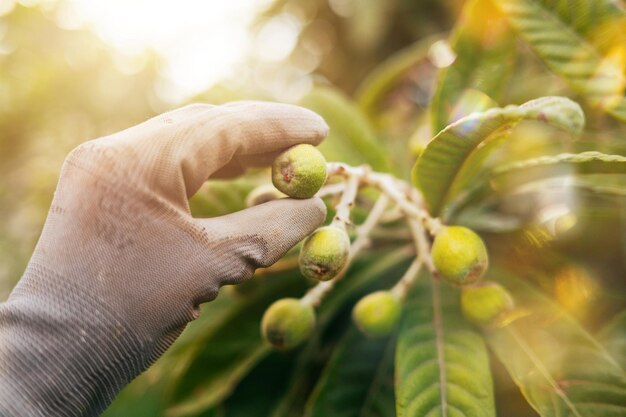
(300, 171)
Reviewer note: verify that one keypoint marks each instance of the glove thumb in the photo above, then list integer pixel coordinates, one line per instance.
(263, 234)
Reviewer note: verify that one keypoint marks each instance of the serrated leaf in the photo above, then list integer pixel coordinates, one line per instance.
(582, 41)
(613, 337)
(442, 367)
(444, 166)
(357, 381)
(559, 367)
(351, 139)
(389, 73)
(485, 53)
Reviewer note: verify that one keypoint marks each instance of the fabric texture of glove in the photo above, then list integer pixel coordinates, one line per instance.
(121, 266)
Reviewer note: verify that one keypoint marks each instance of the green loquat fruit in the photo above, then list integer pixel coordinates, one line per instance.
(300, 171)
(377, 313)
(287, 323)
(484, 304)
(324, 253)
(459, 255)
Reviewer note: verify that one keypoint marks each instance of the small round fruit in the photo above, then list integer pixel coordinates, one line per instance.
(486, 303)
(263, 194)
(324, 253)
(287, 323)
(300, 171)
(377, 313)
(459, 255)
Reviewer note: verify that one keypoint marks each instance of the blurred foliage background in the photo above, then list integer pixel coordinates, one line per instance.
(386, 75)
(61, 85)
(58, 88)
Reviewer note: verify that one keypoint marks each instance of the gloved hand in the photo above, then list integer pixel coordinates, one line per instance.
(121, 266)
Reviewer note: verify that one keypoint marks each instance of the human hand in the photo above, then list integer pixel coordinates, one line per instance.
(121, 266)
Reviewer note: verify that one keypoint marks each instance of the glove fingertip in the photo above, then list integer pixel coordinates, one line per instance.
(313, 213)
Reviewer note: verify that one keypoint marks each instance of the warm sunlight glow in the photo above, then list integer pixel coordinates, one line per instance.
(200, 41)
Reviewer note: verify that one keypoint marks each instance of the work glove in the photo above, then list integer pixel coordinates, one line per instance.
(121, 266)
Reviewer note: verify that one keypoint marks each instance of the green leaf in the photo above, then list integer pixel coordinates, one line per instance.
(460, 149)
(534, 174)
(442, 367)
(480, 207)
(382, 79)
(567, 164)
(613, 337)
(351, 139)
(559, 367)
(485, 53)
(357, 381)
(227, 349)
(260, 390)
(300, 380)
(582, 41)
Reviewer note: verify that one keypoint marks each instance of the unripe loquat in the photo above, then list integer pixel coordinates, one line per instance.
(377, 313)
(486, 303)
(300, 171)
(324, 253)
(287, 323)
(459, 255)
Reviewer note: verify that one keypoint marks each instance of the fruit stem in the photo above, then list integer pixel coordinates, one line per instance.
(423, 245)
(408, 201)
(346, 203)
(316, 294)
(364, 230)
(331, 189)
(402, 287)
(392, 215)
(399, 191)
